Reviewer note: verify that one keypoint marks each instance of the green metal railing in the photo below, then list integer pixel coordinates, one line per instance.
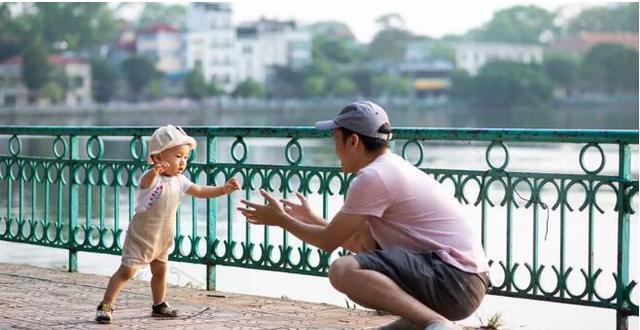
(72, 194)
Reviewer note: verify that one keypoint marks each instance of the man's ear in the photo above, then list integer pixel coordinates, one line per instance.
(354, 140)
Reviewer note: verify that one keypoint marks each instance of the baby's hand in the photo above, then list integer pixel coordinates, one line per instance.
(160, 167)
(231, 186)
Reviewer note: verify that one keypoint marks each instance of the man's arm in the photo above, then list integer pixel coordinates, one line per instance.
(343, 230)
(325, 236)
(359, 242)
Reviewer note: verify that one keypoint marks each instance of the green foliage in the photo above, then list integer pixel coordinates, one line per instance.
(154, 90)
(363, 79)
(503, 85)
(332, 29)
(104, 77)
(611, 68)
(519, 24)
(462, 84)
(79, 24)
(314, 86)
(612, 18)
(249, 88)
(495, 322)
(562, 69)
(155, 12)
(35, 65)
(386, 85)
(139, 72)
(335, 50)
(389, 44)
(344, 87)
(14, 33)
(195, 85)
(52, 91)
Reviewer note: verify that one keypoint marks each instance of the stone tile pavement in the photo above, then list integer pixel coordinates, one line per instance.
(43, 298)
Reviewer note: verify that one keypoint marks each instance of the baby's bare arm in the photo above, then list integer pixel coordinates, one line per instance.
(213, 191)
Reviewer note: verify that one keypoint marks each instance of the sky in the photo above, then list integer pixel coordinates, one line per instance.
(433, 18)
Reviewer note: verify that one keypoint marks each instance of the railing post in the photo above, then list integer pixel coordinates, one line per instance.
(73, 203)
(624, 174)
(212, 214)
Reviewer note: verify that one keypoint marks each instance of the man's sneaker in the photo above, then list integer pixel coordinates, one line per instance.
(163, 310)
(103, 313)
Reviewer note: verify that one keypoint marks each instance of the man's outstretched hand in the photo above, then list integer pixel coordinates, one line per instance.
(300, 211)
(271, 214)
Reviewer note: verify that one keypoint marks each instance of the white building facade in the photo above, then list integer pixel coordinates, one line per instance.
(163, 44)
(210, 39)
(267, 43)
(13, 92)
(472, 56)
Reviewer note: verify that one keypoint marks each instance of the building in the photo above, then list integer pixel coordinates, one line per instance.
(163, 44)
(210, 42)
(76, 70)
(431, 78)
(265, 44)
(580, 44)
(471, 56)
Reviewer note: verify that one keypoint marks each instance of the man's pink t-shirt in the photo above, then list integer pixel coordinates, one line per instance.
(411, 210)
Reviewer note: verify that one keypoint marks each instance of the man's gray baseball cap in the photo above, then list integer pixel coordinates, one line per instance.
(364, 117)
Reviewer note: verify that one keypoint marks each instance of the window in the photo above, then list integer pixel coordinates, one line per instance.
(78, 82)
(10, 100)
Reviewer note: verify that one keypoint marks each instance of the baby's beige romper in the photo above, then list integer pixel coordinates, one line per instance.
(150, 234)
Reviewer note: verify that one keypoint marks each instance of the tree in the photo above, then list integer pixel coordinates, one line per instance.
(249, 88)
(139, 72)
(14, 32)
(104, 78)
(610, 68)
(35, 65)
(52, 91)
(389, 44)
(391, 21)
(335, 50)
(344, 87)
(314, 86)
(155, 12)
(332, 29)
(386, 85)
(613, 18)
(73, 25)
(462, 84)
(362, 77)
(195, 85)
(500, 86)
(562, 69)
(518, 24)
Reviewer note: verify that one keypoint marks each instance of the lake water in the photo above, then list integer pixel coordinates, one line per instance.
(518, 313)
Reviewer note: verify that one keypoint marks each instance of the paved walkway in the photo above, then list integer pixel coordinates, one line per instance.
(43, 298)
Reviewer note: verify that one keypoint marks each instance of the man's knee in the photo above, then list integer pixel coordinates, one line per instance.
(340, 272)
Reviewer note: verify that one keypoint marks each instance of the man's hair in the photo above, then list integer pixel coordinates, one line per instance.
(370, 143)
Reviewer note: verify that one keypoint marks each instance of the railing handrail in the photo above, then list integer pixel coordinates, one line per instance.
(44, 178)
(419, 133)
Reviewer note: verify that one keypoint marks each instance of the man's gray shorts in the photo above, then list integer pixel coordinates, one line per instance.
(451, 292)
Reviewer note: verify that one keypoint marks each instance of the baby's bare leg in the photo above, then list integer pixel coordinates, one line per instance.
(158, 281)
(117, 282)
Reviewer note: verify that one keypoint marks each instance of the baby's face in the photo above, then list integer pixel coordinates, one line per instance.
(176, 157)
